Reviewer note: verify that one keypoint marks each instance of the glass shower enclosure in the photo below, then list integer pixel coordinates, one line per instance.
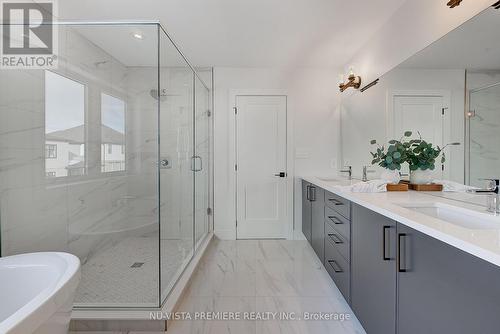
(483, 133)
(109, 157)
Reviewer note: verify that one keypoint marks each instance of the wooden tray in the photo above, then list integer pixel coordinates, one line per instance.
(426, 187)
(397, 187)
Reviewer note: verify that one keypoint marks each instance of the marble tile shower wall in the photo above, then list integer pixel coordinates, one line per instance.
(75, 215)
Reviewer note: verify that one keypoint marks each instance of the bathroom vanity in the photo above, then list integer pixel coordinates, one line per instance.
(404, 262)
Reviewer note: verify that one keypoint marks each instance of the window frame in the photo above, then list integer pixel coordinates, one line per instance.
(124, 150)
(66, 75)
(47, 151)
(93, 90)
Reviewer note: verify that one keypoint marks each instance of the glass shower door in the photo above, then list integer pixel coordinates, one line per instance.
(484, 134)
(176, 128)
(201, 160)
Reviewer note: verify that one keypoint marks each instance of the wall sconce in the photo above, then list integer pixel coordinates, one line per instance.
(352, 81)
(454, 3)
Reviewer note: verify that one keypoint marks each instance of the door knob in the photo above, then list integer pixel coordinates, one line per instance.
(280, 174)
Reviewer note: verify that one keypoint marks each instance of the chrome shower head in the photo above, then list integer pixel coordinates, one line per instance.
(161, 95)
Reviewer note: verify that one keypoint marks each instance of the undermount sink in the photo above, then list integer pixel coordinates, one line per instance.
(329, 179)
(456, 215)
(37, 291)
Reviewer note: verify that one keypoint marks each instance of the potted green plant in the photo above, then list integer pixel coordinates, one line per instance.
(420, 155)
(391, 158)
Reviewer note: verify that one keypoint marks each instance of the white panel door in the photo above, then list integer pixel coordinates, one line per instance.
(261, 155)
(422, 114)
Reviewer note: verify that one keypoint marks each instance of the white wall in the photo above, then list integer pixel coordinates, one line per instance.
(312, 96)
(364, 115)
(414, 26)
(312, 103)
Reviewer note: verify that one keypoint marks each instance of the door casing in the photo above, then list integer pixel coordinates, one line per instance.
(290, 197)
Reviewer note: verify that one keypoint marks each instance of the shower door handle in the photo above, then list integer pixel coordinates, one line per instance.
(194, 167)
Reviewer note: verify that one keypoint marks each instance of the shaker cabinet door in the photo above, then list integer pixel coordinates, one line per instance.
(306, 210)
(318, 221)
(373, 270)
(443, 289)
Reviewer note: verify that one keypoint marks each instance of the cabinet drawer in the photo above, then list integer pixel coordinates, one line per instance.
(338, 222)
(338, 268)
(339, 204)
(337, 240)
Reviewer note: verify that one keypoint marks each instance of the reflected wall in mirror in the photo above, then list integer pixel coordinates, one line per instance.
(449, 92)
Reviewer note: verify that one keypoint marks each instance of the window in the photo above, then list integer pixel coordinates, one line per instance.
(112, 134)
(50, 151)
(64, 126)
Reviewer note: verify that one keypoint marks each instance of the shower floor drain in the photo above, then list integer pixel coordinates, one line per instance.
(137, 265)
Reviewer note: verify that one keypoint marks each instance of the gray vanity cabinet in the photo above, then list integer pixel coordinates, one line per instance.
(318, 221)
(442, 289)
(306, 210)
(373, 273)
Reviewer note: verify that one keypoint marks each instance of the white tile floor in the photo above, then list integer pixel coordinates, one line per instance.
(263, 276)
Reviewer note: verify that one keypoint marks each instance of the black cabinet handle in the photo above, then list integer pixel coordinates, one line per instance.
(402, 246)
(384, 243)
(335, 220)
(335, 201)
(335, 238)
(335, 266)
(313, 197)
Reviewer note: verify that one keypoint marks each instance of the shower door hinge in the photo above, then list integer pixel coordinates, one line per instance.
(235, 110)
(443, 110)
(236, 167)
(209, 113)
(209, 211)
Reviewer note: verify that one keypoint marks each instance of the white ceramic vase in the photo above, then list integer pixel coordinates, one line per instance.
(391, 176)
(421, 176)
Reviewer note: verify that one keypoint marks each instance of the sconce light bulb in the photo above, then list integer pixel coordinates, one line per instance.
(341, 79)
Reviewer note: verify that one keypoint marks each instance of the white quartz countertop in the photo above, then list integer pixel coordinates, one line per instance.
(483, 243)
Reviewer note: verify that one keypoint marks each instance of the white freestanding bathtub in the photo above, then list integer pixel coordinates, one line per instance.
(36, 292)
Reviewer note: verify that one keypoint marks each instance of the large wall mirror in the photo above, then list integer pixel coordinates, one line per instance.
(448, 92)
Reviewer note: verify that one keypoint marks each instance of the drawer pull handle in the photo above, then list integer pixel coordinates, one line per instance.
(335, 220)
(313, 193)
(335, 201)
(335, 266)
(335, 238)
(385, 243)
(402, 255)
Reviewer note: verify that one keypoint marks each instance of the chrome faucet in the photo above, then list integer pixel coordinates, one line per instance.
(494, 198)
(365, 173)
(348, 170)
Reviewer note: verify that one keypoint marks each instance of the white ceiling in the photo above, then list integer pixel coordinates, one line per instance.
(245, 33)
(473, 46)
